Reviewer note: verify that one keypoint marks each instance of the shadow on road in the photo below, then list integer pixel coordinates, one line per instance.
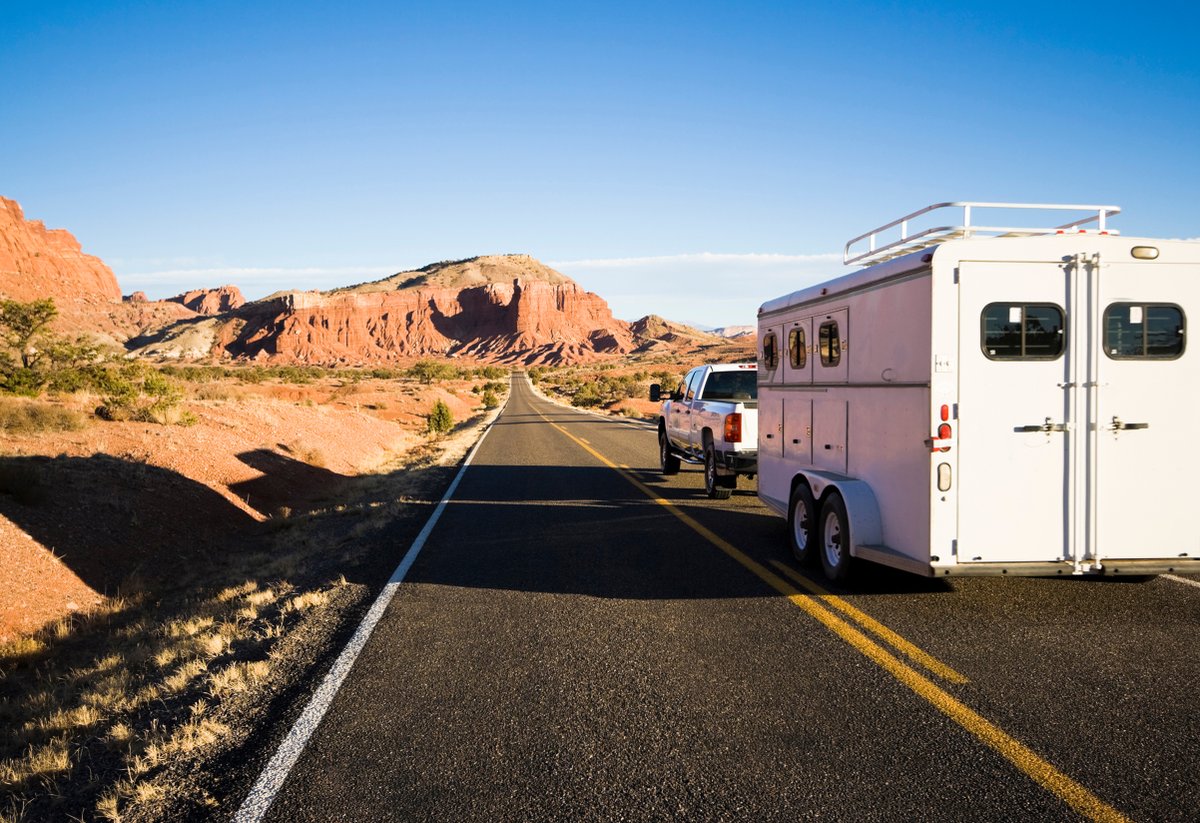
(589, 531)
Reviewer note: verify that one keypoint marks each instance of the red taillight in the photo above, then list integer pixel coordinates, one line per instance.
(733, 428)
(944, 433)
(945, 413)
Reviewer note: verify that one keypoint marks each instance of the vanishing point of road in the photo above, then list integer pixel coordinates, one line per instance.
(583, 638)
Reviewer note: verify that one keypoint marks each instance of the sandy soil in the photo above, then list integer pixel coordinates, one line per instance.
(145, 496)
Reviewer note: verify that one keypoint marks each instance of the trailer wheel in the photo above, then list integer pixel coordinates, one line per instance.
(715, 487)
(668, 461)
(835, 539)
(802, 525)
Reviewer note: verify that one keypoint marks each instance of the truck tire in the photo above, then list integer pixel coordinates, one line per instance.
(715, 487)
(802, 525)
(835, 542)
(667, 461)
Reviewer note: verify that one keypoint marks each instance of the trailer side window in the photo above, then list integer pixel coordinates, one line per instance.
(797, 348)
(1138, 331)
(829, 343)
(1022, 331)
(770, 351)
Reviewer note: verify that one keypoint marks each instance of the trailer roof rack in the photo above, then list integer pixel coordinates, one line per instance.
(908, 242)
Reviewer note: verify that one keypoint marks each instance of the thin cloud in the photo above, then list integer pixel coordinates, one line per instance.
(753, 258)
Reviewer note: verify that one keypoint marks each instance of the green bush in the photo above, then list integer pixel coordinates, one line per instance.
(490, 400)
(440, 419)
(427, 371)
(18, 380)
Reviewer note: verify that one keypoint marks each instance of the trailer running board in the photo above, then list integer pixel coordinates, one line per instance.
(1108, 568)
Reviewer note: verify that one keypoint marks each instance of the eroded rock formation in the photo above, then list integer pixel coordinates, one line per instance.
(36, 262)
(501, 308)
(210, 302)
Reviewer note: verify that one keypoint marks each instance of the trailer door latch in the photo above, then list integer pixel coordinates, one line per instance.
(1047, 427)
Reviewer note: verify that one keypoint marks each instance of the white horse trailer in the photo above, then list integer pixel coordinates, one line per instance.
(988, 400)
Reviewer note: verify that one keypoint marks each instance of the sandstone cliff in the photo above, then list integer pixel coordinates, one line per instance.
(37, 262)
(508, 309)
(211, 301)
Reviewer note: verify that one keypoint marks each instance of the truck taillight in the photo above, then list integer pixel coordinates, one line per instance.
(733, 428)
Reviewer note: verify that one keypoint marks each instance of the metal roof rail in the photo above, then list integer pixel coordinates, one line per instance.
(876, 253)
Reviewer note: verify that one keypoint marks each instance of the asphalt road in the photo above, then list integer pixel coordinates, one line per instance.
(580, 640)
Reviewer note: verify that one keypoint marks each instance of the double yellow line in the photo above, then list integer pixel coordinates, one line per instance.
(1013, 750)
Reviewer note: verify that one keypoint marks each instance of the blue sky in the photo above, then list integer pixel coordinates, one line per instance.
(687, 159)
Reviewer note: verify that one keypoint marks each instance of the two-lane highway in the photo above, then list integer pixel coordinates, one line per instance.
(582, 638)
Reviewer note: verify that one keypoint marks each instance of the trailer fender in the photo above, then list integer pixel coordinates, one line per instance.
(866, 525)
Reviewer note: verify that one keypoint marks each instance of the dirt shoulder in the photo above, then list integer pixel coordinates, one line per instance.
(172, 593)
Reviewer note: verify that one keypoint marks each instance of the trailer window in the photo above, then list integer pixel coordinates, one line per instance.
(797, 348)
(1022, 331)
(770, 351)
(1143, 331)
(829, 343)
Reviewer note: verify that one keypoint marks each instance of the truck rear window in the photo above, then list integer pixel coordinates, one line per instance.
(1022, 331)
(1134, 331)
(731, 385)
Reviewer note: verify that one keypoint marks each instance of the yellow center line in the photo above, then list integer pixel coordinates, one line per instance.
(1028, 761)
(908, 649)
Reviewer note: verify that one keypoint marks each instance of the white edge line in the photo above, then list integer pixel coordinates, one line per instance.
(275, 773)
(1182, 580)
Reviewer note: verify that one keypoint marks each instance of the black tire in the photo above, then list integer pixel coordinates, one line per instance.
(803, 534)
(667, 461)
(713, 485)
(834, 535)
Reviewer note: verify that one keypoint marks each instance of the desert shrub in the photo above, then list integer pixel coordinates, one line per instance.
(490, 400)
(18, 380)
(27, 418)
(428, 371)
(492, 372)
(252, 374)
(137, 392)
(120, 397)
(381, 373)
(587, 395)
(23, 323)
(440, 419)
(536, 373)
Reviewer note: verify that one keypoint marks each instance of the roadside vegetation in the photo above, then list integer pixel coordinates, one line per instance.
(617, 388)
(106, 712)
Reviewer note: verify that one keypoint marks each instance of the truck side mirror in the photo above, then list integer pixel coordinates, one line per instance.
(655, 392)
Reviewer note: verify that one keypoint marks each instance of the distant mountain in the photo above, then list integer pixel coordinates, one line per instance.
(499, 308)
(735, 331)
(495, 308)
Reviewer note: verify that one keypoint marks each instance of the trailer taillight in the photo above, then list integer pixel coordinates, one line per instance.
(944, 433)
(945, 412)
(733, 428)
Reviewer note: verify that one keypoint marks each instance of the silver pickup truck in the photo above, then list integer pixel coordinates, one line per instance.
(711, 419)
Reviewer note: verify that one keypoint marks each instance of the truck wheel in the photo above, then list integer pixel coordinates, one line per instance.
(668, 461)
(713, 485)
(802, 525)
(835, 539)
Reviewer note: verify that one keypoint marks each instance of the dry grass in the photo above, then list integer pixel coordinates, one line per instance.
(113, 698)
(146, 681)
(31, 417)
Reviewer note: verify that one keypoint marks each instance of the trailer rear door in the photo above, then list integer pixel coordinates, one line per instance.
(1146, 446)
(1014, 441)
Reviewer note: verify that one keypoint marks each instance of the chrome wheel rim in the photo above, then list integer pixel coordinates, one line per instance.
(800, 525)
(832, 539)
